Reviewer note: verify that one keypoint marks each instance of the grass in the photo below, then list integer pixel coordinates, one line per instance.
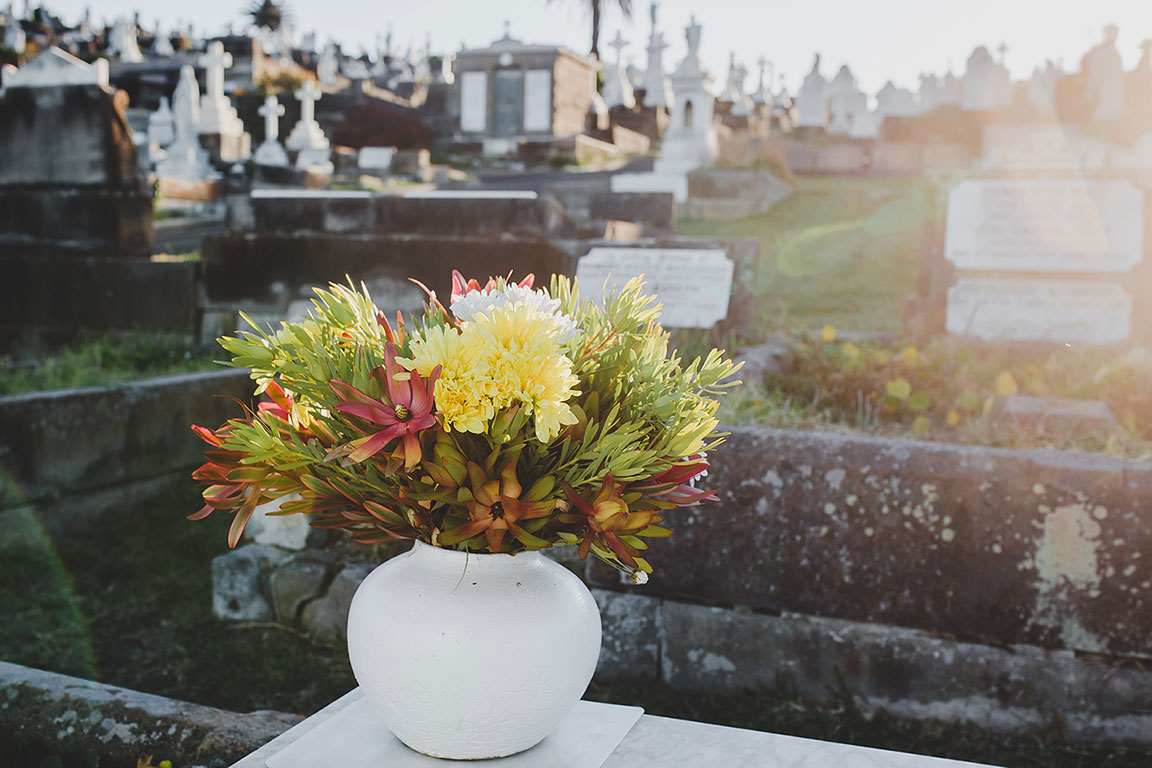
(126, 599)
(840, 251)
(105, 361)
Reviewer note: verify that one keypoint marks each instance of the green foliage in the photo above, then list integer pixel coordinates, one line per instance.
(642, 420)
(948, 390)
(104, 361)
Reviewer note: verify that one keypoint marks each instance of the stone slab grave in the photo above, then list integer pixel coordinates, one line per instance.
(375, 158)
(346, 733)
(694, 285)
(68, 170)
(1044, 259)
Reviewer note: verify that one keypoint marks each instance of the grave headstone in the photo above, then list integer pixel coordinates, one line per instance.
(271, 151)
(1104, 79)
(307, 134)
(218, 119)
(693, 285)
(68, 168)
(375, 158)
(1043, 260)
(657, 86)
(617, 90)
(984, 85)
(184, 157)
(845, 101)
(812, 99)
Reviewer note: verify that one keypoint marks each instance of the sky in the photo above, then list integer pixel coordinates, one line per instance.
(880, 40)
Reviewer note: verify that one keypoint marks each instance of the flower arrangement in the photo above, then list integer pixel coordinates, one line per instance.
(520, 419)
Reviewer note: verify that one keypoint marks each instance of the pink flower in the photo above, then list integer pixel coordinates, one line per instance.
(407, 412)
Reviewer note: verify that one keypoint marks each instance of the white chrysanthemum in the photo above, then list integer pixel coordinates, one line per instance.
(473, 303)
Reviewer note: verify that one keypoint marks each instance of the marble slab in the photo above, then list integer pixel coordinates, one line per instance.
(310, 194)
(676, 183)
(1045, 226)
(472, 194)
(1015, 309)
(661, 742)
(355, 735)
(693, 285)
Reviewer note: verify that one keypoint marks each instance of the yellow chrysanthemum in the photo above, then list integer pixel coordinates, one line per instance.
(510, 355)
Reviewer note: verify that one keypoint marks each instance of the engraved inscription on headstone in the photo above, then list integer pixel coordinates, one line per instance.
(994, 308)
(1045, 226)
(693, 285)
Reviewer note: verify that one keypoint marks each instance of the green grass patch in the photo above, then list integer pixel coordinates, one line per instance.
(104, 361)
(840, 251)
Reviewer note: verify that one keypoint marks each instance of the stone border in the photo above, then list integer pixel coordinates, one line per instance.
(104, 441)
(72, 717)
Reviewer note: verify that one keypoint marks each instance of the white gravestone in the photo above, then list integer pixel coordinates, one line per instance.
(693, 285)
(1045, 226)
(375, 158)
(657, 86)
(271, 151)
(1041, 260)
(812, 99)
(57, 67)
(1075, 311)
(617, 90)
(1104, 76)
(307, 134)
(184, 157)
(214, 105)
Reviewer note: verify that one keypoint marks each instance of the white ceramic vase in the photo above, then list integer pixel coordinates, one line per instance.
(469, 656)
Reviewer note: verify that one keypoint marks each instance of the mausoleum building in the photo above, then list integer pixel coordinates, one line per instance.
(513, 89)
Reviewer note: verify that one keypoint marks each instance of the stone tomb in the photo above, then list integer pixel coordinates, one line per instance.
(1044, 260)
(694, 285)
(68, 171)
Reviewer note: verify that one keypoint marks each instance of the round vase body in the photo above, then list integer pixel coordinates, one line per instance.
(469, 656)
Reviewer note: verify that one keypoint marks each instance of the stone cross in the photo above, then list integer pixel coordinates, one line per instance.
(1003, 51)
(215, 61)
(308, 95)
(272, 111)
(619, 43)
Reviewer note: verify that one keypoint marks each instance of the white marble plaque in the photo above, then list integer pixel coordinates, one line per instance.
(356, 736)
(474, 102)
(376, 158)
(538, 100)
(1007, 309)
(693, 285)
(1045, 226)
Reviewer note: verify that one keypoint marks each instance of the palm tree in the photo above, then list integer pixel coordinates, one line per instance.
(266, 13)
(598, 7)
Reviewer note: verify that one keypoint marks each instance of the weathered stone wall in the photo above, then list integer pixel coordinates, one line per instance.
(246, 267)
(86, 723)
(48, 301)
(1040, 547)
(56, 447)
(936, 581)
(479, 217)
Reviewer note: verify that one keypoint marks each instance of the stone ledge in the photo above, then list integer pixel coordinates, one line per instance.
(69, 716)
(78, 441)
(1031, 547)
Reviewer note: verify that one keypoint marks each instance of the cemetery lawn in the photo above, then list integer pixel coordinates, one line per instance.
(840, 251)
(105, 361)
(126, 599)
